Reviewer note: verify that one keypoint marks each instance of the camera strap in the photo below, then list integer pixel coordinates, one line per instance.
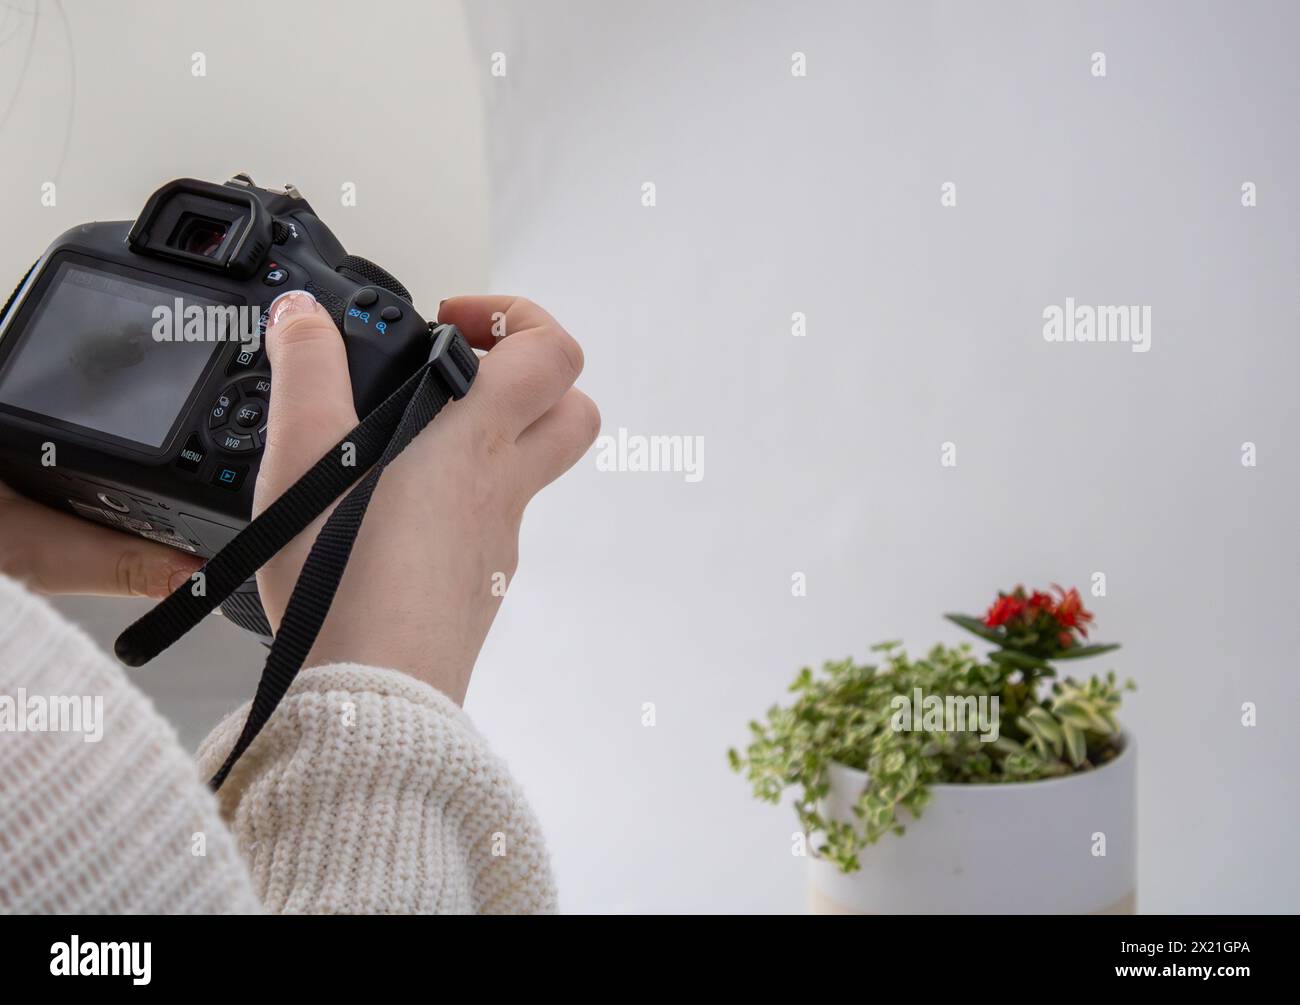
(373, 443)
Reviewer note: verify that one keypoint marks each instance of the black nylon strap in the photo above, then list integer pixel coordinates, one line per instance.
(383, 434)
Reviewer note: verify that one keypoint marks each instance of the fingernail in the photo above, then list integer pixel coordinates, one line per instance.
(289, 304)
(177, 580)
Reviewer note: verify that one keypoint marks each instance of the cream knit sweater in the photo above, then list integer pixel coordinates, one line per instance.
(368, 791)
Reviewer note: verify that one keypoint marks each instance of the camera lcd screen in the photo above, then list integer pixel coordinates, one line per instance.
(89, 357)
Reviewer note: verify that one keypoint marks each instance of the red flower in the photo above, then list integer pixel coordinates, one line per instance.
(1003, 610)
(1040, 599)
(1037, 623)
(1070, 611)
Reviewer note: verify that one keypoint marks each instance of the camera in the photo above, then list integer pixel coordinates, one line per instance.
(134, 388)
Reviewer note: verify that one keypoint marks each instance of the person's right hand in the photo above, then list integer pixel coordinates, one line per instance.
(418, 595)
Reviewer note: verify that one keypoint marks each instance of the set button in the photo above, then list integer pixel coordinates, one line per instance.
(249, 414)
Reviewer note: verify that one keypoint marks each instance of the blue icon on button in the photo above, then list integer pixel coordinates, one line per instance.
(230, 478)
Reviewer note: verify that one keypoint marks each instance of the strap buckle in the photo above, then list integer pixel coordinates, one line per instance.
(452, 359)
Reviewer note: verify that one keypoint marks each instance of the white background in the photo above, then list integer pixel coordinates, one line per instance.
(775, 195)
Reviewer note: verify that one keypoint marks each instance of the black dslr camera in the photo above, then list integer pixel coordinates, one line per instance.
(133, 384)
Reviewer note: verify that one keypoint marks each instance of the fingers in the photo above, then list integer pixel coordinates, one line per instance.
(54, 552)
(485, 321)
(311, 392)
(532, 362)
(556, 441)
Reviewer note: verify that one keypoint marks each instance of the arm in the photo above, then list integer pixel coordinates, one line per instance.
(109, 818)
(369, 789)
(370, 792)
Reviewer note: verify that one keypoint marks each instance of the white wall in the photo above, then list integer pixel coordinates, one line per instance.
(777, 195)
(821, 195)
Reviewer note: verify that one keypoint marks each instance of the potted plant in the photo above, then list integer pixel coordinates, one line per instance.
(957, 782)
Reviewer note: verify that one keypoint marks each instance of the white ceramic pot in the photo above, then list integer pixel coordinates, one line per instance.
(1015, 848)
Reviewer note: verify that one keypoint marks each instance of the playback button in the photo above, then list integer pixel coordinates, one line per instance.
(229, 476)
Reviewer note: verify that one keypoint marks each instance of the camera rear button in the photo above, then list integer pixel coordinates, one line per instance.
(191, 456)
(221, 409)
(249, 413)
(366, 297)
(228, 477)
(257, 387)
(236, 443)
(245, 359)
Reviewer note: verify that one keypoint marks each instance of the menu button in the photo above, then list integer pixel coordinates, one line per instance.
(191, 455)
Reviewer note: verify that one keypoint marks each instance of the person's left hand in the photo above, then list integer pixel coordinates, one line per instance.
(53, 552)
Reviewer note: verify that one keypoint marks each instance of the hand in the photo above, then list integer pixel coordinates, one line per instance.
(418, 595)
(54, 552)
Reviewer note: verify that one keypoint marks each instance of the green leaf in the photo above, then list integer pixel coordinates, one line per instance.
(1079, 652)
(1039, 724)
(1019, 660)
(977, 626)
(1074, 744)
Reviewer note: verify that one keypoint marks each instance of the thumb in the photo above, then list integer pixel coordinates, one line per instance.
(54, 552)
(311, 392)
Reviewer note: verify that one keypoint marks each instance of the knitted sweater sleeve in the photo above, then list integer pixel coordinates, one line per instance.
(100, 809)
(368, 791)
